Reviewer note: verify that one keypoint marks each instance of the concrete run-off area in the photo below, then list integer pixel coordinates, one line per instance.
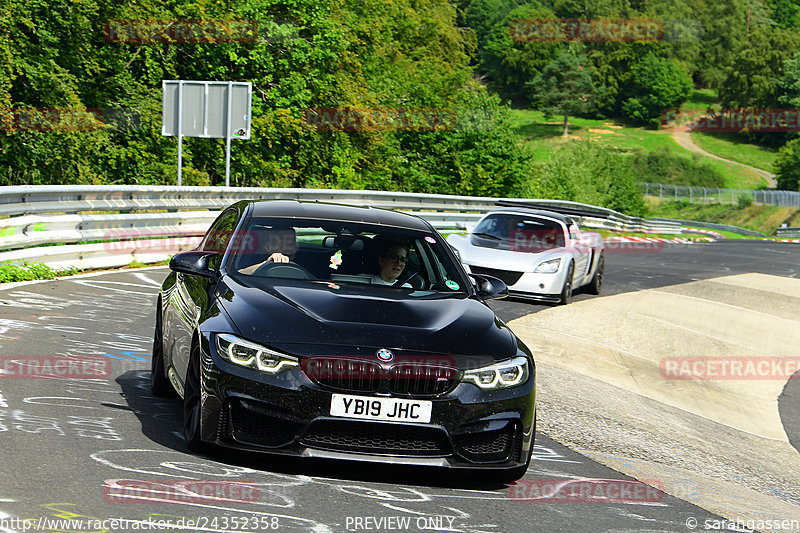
(681, 384)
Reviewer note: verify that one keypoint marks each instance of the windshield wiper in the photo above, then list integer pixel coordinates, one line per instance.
(488, 236)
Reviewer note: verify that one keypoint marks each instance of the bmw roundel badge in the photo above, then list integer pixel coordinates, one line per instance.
(385, 355)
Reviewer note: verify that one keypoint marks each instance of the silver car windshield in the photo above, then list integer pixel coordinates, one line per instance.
(520, 233)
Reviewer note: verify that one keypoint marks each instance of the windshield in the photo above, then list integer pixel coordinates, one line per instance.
(520, 233)
(369, 257)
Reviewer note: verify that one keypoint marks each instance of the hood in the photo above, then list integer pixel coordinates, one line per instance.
(310, 318)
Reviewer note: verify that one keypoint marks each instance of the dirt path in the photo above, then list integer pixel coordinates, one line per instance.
(683, 138)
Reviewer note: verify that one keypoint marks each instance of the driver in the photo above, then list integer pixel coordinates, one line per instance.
(280, 244)
(392, 258)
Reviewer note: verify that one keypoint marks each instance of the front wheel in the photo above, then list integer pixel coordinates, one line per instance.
(597, 281)
(159, 384)
(192, 404)
(566, 291)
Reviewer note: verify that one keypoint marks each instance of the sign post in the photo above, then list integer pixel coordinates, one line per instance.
(209, 109)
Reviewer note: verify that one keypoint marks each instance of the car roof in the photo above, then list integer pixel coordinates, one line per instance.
(336, 212)
(534, 212)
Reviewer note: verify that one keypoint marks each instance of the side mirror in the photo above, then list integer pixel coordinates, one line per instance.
(193, 262)
(490, 287)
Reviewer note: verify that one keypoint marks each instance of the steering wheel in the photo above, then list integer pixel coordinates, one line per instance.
(290, 270)
(400, 282)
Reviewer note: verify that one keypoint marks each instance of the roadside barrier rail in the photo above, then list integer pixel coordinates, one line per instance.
(105, 226)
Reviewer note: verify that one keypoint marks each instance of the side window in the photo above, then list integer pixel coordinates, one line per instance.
(219, 235)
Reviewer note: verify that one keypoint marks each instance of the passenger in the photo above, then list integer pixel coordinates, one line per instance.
(281, 244)
(391, 262)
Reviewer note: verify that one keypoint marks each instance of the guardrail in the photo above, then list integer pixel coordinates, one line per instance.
(151, 223)
(711, 226)
(722, 196)
(788, 233)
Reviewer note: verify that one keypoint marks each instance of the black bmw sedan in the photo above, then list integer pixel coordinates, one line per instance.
(331, 331)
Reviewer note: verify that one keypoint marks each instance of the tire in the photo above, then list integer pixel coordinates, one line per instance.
(566, 291)
(596, 284)
(192, 404)
(159, 384)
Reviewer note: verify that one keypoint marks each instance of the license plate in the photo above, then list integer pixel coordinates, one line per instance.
(387, 409)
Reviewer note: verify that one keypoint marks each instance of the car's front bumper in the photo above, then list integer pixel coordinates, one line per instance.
(289, 414)
(527, 284)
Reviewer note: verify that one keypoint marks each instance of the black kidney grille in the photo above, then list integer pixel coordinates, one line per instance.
(405, 378)
(414, 379)
(344, 374)
(377, 438)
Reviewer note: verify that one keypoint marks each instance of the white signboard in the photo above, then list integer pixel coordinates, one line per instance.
(210, 109)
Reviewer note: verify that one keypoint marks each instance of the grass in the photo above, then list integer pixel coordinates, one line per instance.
(701, 100)
(736, 148)
(25, 271)
(762, 218)
(545, 138)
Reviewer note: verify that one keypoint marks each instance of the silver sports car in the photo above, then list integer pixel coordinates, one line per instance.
(538, 254)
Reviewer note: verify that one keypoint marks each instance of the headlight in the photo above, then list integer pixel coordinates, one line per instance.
(549, 267)
(244, 353)
(499, 375)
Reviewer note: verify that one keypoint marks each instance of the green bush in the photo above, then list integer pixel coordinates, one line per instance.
(787, 166)
(665, 166)
(584, 171)
(744, 200)
(30, 271)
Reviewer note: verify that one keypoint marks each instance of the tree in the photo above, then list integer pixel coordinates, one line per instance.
(785, 13)
(656, 84)
(789, 85)
(787, 166)
(564, 87)
(756, 68)
(510, 64)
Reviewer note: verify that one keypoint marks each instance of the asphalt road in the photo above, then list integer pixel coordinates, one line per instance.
(104, 448)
